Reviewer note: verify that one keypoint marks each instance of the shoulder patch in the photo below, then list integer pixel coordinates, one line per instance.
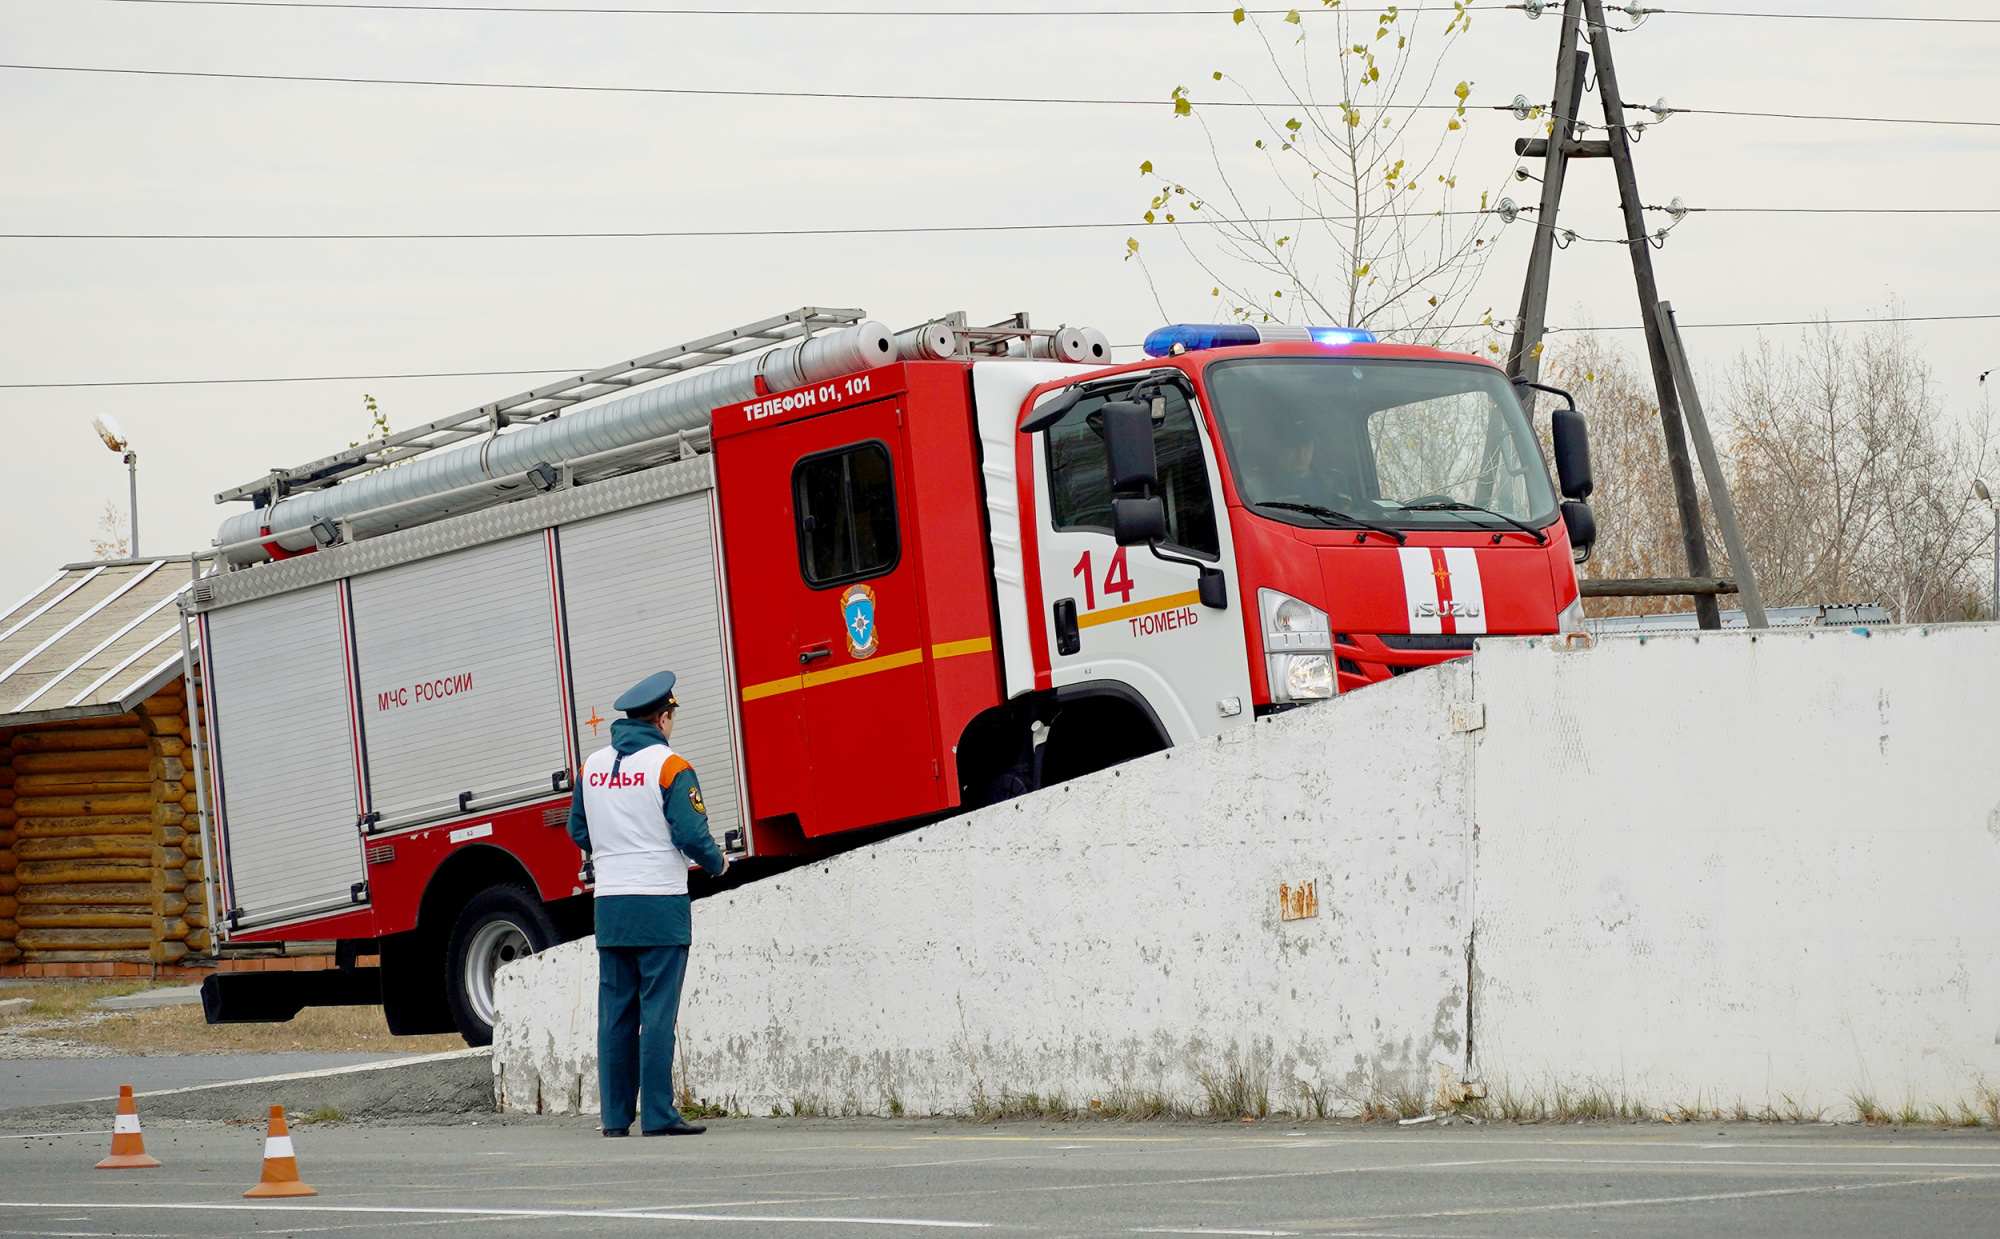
(694, 798)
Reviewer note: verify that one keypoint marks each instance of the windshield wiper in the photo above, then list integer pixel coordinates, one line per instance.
(1454, 506)
(1335, 518)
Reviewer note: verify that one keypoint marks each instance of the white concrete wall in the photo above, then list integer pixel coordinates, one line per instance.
(1715, 869)
(1706, 871)
(1112, 938)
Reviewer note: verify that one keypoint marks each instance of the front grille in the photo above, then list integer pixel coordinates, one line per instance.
(1425, 641)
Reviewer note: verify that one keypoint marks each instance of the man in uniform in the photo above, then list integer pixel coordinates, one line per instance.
(638, 815)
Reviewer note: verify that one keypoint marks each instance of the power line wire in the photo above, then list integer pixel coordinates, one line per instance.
(950, 13)
(332, 79)
(487, 374)
(304, 378)
(712, 233)
(696, 233)
(1870, 120)
(1814, 17)
(1804, 322)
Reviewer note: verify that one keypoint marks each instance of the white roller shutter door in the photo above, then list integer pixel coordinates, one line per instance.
(282, 728)
(460, 686)
(641, 594)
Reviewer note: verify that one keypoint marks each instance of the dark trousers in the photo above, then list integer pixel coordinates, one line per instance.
(638, 996)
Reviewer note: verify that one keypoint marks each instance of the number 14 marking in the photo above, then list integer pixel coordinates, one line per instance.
(1117, 579)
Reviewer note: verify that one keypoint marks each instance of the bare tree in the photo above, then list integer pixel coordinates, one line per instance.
(1851, 480)
(1348, 210)
(1637, 522)
(110, 541)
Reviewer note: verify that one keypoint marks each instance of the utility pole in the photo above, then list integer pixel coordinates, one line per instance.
(1524, 359)
(107, 429)
(1692, 536)
(132, 478)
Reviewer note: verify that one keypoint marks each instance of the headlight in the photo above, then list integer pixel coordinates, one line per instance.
(1301, 677)
(1570, 618)
(1292, 625)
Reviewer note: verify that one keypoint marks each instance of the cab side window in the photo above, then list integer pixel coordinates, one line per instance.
(1080, 487)
(845, 505)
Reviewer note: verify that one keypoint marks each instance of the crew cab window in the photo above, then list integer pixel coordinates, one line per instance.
(845, 503)
(1080, 483)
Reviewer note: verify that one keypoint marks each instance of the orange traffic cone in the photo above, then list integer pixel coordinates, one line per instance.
(128, 1146)
(281, 1169)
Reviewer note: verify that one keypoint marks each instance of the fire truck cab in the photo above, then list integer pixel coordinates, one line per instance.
(953, 582)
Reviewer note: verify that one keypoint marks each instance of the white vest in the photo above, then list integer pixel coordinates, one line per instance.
(630, 845)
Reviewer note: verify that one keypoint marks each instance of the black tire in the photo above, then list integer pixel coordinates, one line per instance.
(500, 924)
(413, 999)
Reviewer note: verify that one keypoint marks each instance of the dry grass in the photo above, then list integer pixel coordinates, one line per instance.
(64, 1008)
(60, 998)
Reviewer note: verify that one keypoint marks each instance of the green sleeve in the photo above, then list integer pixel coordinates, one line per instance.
(687, 821)
(579, 829)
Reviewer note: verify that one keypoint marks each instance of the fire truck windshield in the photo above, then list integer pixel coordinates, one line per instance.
(1392, 442)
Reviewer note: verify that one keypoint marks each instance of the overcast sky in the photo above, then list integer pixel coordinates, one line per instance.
(113, 153)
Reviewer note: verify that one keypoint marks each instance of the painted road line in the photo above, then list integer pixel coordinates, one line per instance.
(1212, 1230)
(1643, 1202)
(639, 1215)
(1051, 1139)
(1749, 1164)
(37, 1135)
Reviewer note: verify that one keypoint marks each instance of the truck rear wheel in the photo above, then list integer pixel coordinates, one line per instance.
(500, 925)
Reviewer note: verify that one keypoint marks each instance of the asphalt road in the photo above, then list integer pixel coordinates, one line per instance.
(38, 1081)
(857, 1177)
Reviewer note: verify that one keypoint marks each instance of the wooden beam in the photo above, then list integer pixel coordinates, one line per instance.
(1657, 587)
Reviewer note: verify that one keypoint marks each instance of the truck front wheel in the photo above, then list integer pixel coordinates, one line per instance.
(500, 925)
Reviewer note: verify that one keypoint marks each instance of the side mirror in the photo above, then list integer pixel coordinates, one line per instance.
(1138, 522)
(1582, 527)
(1128, 445)
(1572, 451)
(1050, 411)
(1214, 589)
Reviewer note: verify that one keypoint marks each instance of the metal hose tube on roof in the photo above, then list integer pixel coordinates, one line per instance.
(657, 412)
(930, 342)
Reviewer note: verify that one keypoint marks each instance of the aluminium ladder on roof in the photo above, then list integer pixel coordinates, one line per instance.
(540, 402)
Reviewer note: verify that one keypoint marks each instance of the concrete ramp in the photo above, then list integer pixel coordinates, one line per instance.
(1724, 872)
(1117, 939)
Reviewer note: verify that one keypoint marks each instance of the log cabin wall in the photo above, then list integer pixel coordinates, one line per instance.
(103, 856)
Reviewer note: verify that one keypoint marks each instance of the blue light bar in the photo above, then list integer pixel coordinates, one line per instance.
(1193, 337)
(1341, 335)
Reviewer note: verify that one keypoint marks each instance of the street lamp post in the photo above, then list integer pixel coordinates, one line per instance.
(114, 438)
(1985, 494)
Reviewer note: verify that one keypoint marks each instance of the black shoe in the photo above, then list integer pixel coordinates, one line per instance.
(617, 1131)
(677, 1129)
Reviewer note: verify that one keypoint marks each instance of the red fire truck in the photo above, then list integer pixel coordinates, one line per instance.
(900, 575)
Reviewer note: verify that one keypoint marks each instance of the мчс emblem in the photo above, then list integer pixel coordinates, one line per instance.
(694, 798)
(857, 613)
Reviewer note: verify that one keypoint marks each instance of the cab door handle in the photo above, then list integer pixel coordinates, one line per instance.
(1068, 639)
(809, 656)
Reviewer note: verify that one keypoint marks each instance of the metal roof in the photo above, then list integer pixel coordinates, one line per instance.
(95, 639)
